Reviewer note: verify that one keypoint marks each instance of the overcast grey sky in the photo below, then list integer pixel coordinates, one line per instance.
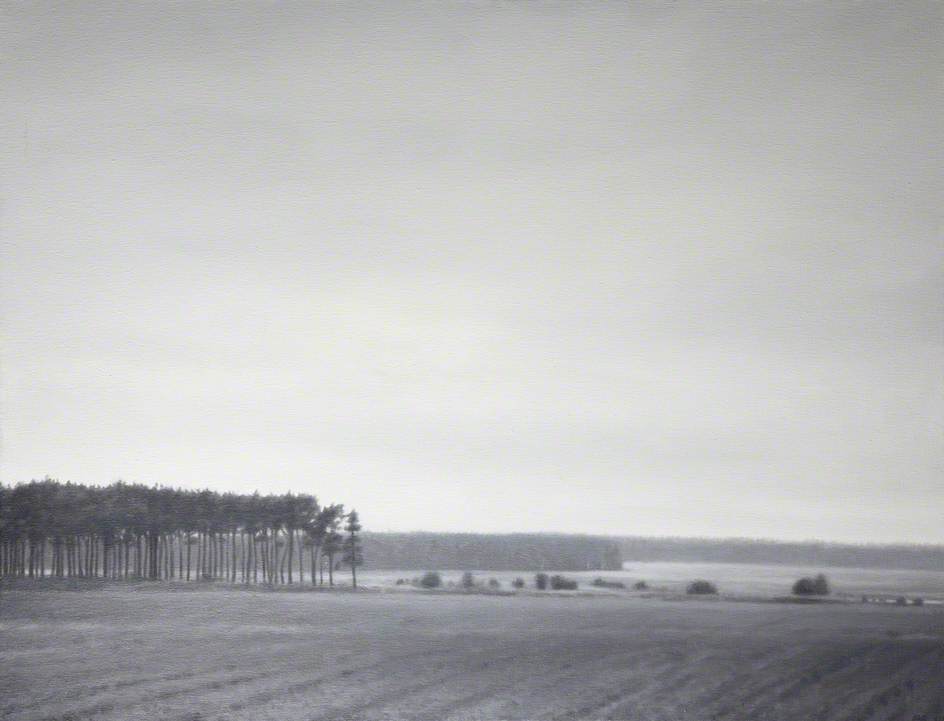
(641, 268)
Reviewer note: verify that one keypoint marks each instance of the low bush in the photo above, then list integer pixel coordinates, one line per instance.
(493, 583)
(818, 586)
(917, 601)
(431, 579)
(540, 581)
(518, 582)
(641, 586)
(468, 580)
(701, 588)
(901, 601)
(602, 583)
(560, 583)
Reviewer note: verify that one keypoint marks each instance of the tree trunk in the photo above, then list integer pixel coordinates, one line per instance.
(265, 559)
(290, 540)
(154, 569)
(242, 556)
(301, 559)
(232, 555)
(282, 561)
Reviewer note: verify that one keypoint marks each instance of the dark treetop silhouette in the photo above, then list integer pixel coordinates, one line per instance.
(48, 528)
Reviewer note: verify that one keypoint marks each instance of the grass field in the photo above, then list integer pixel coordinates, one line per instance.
(169, 653)
(732, 579)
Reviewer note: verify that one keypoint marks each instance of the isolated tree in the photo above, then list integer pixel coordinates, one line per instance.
(353, 556)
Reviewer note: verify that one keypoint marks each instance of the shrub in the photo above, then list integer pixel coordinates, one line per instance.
(701, 588)
(540, 581)
(901, 601)
(818, 586)
(917, 601)
(518, 582)
(431, 579)
(400, 581)
(493, 583)
(641, 586)
(601, 583)
(560, 583)
(468, 580)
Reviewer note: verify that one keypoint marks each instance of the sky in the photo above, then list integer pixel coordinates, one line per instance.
(623, 268)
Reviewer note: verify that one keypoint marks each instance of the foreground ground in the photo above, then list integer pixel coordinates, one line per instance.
(188, 655)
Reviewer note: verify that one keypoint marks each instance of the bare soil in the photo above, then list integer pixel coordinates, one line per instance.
(126, 653)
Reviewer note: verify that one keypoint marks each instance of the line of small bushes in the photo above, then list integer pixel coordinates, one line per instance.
(469, 582)
(807, 586)
(542, 581)
(557, 583)
(603, 583)
(562, 583)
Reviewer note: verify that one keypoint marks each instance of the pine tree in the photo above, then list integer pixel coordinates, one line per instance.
(353, 556)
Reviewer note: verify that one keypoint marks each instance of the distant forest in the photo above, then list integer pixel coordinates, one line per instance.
(563, 552)
(812, 553)
(491, 551)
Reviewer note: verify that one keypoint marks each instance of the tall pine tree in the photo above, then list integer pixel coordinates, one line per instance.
(352, 545)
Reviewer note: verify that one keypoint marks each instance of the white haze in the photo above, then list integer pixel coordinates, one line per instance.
(593, 267)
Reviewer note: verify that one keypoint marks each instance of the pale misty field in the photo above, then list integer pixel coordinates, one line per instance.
(735, 579)
(170, 653)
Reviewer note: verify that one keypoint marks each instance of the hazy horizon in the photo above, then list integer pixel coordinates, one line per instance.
(660, 269)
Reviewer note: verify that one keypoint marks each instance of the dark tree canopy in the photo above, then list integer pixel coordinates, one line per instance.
(136, 531)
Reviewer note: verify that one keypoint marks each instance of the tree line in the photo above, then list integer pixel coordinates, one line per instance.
(795, 553)
(492, 551)
(132, 531)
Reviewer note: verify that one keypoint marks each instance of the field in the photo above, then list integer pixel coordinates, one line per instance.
(178, 654)
(733, 579)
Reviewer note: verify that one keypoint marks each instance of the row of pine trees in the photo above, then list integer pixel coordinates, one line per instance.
(132, 531)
